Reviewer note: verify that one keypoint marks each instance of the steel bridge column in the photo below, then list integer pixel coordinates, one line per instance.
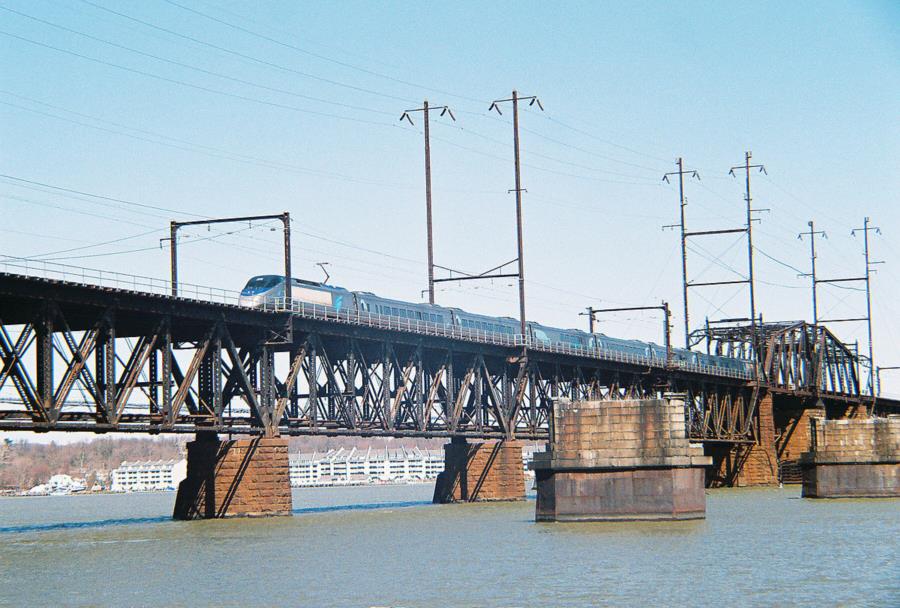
(44, 341)
(313, 381)
(166, 352)
(105, 366)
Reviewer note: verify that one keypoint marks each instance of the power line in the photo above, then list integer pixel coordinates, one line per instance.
(97, 196)
(110, 242)
(189, 146)
(194, 67)
(194, 86)
(314, 54)
(245, 56)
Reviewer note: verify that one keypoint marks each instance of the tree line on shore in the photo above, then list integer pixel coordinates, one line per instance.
(25, 464)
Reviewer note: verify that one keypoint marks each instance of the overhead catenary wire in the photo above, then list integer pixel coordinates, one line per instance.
(194, 86)
(196, 68)
(247, 57)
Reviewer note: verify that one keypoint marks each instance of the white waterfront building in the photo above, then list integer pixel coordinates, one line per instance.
(353, 466)
(148, 475)
(59, 484)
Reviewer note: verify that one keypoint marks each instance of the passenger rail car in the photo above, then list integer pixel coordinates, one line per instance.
(268, 289)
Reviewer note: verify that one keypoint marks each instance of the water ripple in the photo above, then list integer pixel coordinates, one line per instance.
(125, 521)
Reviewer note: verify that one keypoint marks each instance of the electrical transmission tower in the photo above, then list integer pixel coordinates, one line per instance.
(683, 202)
(746, 167)
(429, 239)
(867, 279)
(497, 271)
(495, 105)
(812, 261)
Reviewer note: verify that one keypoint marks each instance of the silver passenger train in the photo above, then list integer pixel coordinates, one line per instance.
(264, 289)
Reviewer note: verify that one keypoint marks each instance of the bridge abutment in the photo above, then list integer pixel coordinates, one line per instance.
(852, 458)
(620, 460)
(473, 472)
(235, 478)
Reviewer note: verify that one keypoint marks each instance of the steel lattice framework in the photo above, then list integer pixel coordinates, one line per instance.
(79, 357)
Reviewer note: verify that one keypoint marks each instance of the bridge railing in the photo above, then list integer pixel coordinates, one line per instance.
(370, 319)
(188, 291)
(116, 280)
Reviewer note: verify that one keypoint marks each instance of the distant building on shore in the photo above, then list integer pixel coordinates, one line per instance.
(148, 475)
(59, 484)
(353, 466)
(372, 466)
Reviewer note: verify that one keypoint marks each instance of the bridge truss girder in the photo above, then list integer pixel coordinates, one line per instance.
(98, 372)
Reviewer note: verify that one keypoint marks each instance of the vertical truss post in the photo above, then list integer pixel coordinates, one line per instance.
(105, 366)
(166, 352)
(44, 339)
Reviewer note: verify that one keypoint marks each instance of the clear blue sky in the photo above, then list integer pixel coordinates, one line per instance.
(294, 106)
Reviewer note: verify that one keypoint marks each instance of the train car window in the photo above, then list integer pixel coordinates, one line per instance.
(263, 282)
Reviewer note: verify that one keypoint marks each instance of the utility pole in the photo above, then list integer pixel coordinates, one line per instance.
(667, 325)
(867, 279)
(429, 239)
(590, 315)
(746, 167)
(812, 260)
(683, 202)
(495, 105)
(284, 217)
(173, 256)
(878, 371)
(865, 230)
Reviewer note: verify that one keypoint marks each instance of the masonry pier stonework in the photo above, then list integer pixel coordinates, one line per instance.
(235, 478)
(488, 471)
(854, 458)
(620, 460)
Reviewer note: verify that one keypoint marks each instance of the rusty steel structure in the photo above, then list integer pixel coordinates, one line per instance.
(130, 358)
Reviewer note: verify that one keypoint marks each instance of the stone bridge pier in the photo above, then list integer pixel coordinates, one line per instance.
(483, 471)
(620, 460)
(235, 478)
(855, 458)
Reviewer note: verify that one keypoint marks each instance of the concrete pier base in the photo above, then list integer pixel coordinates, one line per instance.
(488, 471)
(620, 460)
(857, 458)
(240, 478)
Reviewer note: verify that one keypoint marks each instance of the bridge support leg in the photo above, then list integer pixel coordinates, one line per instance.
(619, 461)
(487, 471)
(745, 465)
(240, 478)
(855, 458)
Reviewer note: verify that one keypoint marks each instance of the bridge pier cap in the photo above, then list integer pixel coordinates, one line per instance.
(620, 460)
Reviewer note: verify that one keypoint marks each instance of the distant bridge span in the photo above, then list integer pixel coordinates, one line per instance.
(113, 353)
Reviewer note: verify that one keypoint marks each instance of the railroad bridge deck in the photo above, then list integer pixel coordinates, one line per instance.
(115, 353)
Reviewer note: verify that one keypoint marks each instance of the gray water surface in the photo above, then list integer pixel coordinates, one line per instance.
(388, 546)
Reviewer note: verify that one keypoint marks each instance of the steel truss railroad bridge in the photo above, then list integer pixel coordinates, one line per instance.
(112, 353)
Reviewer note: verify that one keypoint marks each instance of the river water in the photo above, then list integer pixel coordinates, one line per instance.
(388, 546)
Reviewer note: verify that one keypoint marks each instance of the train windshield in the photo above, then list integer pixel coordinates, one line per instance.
(261, 283)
